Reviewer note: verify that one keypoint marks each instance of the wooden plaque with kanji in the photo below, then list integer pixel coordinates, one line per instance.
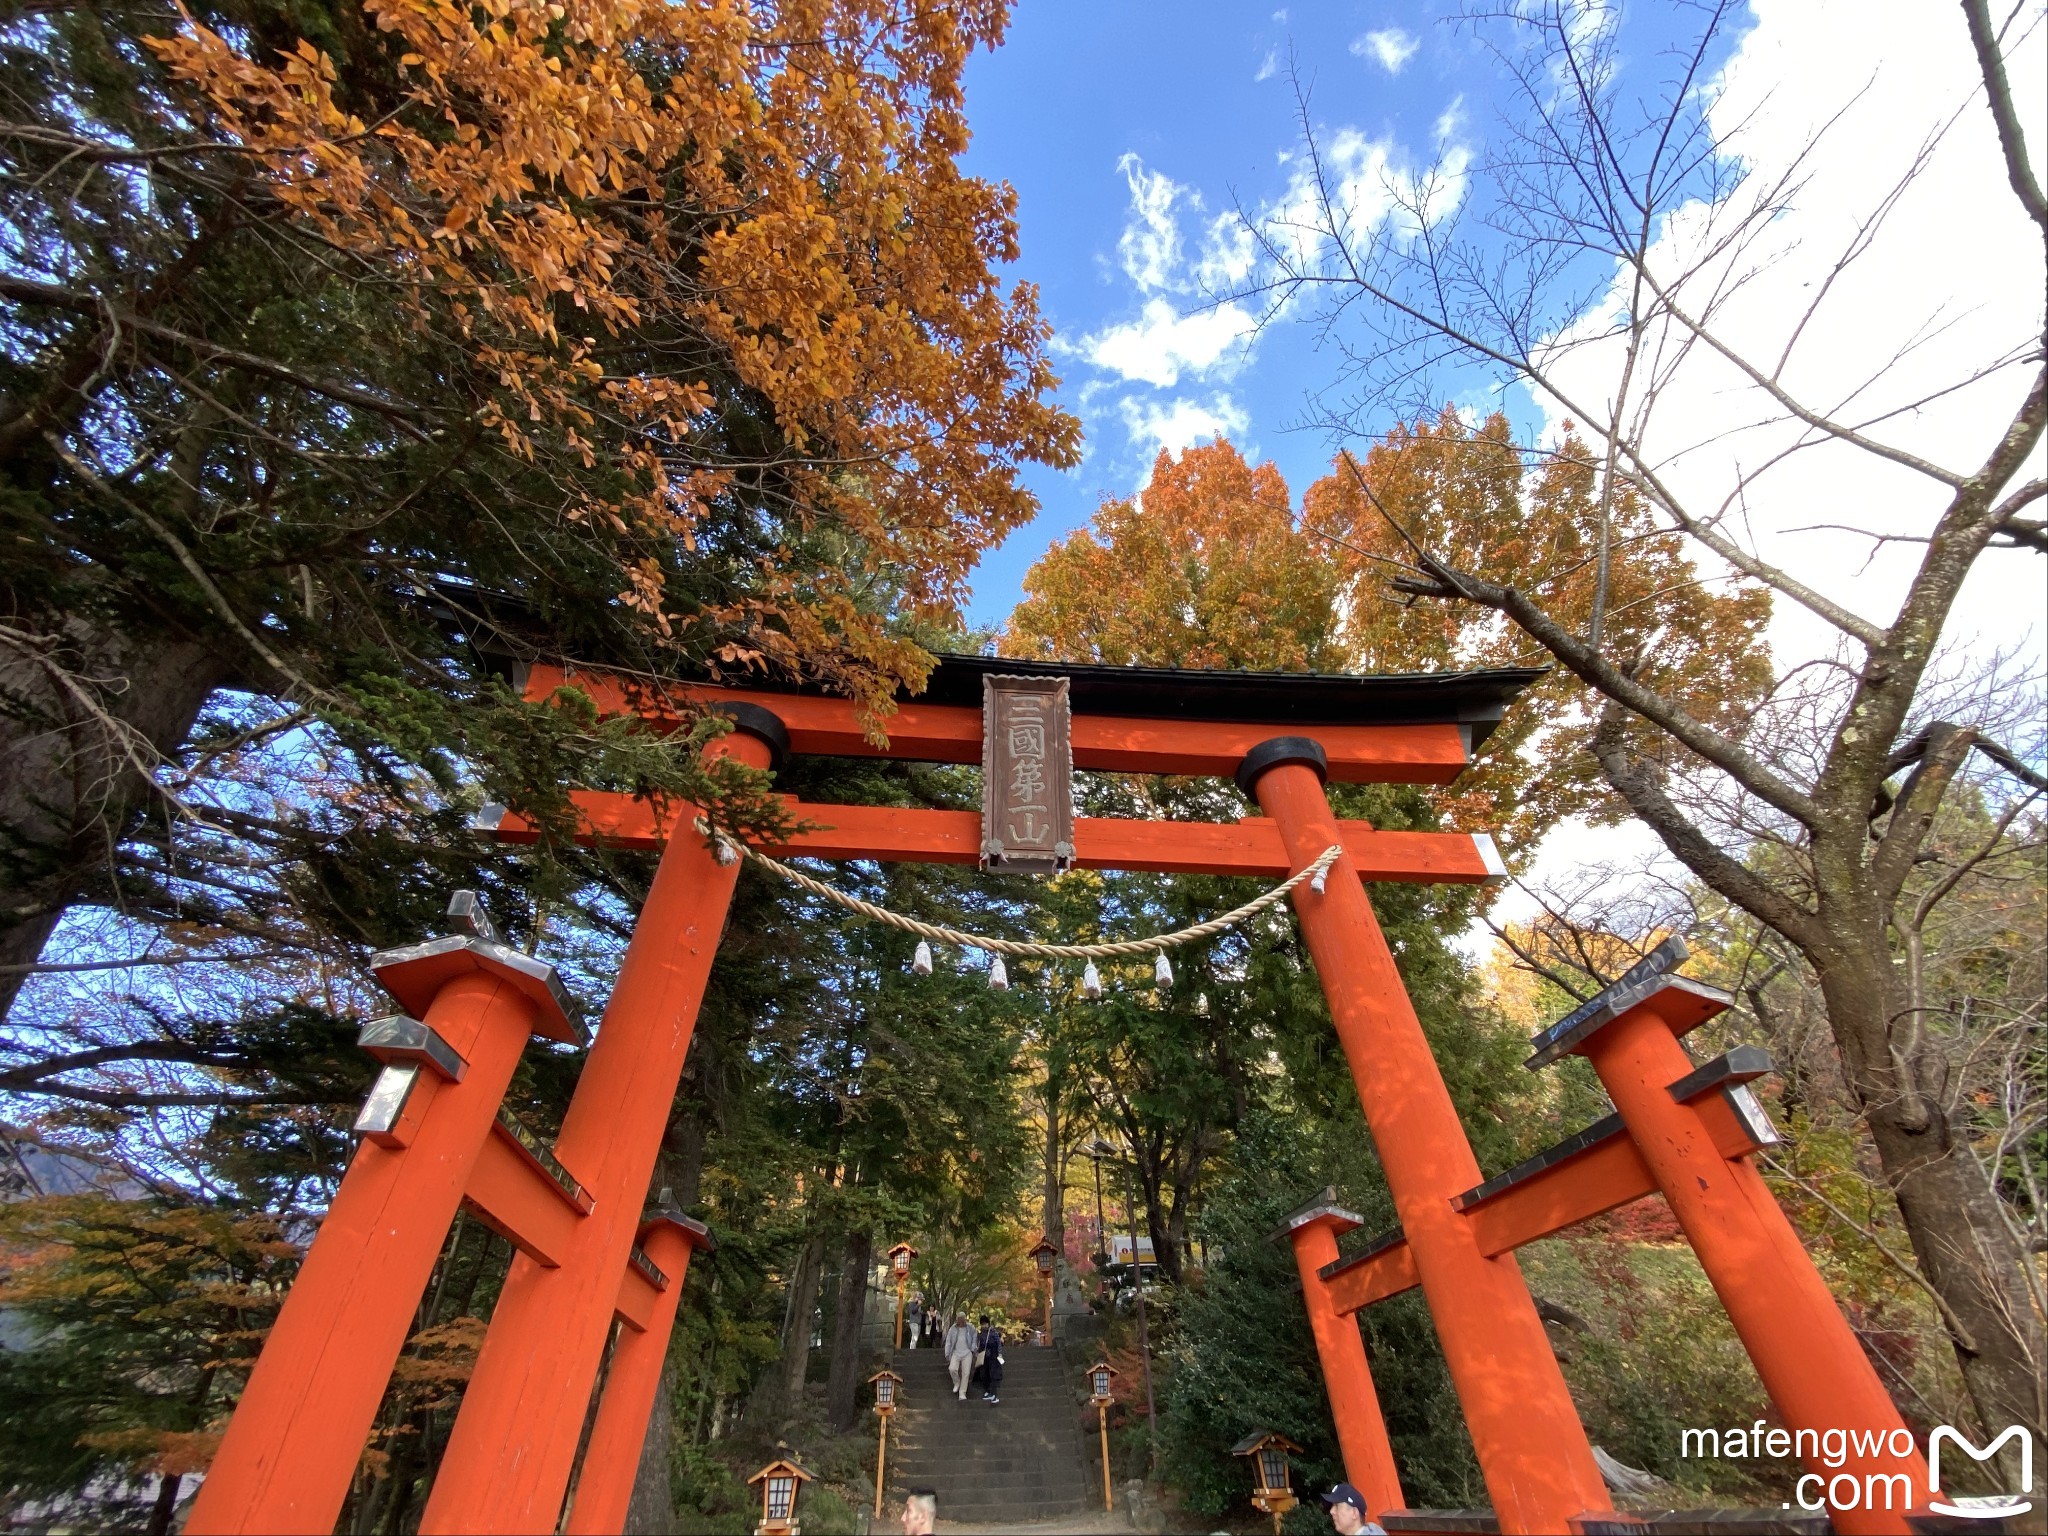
(1027, 768)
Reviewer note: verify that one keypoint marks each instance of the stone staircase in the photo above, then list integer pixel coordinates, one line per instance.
(993, 1464)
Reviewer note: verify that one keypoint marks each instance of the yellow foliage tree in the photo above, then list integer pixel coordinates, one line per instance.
(1466, 492)
(768, 196)
(1210, 567)
(1204, 569)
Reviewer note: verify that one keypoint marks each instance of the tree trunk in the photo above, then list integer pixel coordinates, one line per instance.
(652, 1509)
(1967, 1254)
(782, 1385)
(1896, 1072)
(1052, 1208)
(842, 1387)
(83, 713)
(1158, 1223)
(166, 1506)
(1183, 1203)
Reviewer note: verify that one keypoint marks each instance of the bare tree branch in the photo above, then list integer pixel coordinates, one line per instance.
(2012, 137)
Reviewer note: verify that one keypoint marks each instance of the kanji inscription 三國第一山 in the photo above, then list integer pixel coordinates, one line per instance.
(1027, 768)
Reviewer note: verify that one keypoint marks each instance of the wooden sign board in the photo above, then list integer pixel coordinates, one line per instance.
(1027, 776)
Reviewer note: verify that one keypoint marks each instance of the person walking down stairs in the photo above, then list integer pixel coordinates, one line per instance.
(991, 1348)
(960, 1354)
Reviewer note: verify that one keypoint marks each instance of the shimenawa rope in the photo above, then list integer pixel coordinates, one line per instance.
(1025, 949)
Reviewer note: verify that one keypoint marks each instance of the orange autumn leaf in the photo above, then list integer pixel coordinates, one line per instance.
(772, 193)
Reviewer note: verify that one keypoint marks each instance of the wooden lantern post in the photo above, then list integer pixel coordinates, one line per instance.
(1043, 1254)
(899, 1265)
(781, 1482)
(885, 1384)
(1268, 1452)
(1100, 1375)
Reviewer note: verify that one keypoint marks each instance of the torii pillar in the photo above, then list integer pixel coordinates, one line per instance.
(1817, 1374)
(1312, 1233)
(1533, 1452)
(509, 1459)
(604, 1483)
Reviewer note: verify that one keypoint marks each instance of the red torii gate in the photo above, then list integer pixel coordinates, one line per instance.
(437, 1136)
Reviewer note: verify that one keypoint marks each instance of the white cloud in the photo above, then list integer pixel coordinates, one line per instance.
(1450, 123)
(1149, 247)
(1956, 265)
(1390, 46)
(1179, 259)
(1269, 66)
(1179, 424)
(1948, 283)
(1368, 182)
(1228, 255)
(1162, 344)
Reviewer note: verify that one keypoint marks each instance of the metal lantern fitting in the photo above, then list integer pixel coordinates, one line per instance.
(899, 1266)
(885, 1384)
(1268, 1453)
(1044, 1253)
(781, 1483)
(1100, 1375)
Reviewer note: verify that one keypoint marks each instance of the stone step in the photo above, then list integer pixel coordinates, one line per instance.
(994, 1464)
(978, 1430)
(983, 1466)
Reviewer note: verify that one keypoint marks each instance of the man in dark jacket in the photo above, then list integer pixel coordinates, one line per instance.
(991, 1346)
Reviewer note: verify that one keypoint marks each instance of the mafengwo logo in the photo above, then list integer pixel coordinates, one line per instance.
(1982, 1509)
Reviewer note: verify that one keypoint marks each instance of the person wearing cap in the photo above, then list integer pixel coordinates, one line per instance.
(1347, 1512)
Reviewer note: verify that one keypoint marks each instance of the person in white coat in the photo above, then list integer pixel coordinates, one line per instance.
(960, 1341)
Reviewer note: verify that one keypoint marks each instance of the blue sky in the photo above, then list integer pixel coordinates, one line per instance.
(1084, 109)
(1129, 131)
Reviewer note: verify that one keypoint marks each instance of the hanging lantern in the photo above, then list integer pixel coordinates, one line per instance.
(921, 962)
(1162, 972)
(781, 1483)
(998, 975)
(1268, 1452)
(1091, 982)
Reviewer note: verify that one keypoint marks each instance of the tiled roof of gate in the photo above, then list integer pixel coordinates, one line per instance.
(1477, 698)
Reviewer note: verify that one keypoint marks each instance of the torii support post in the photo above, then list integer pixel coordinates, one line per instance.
(1804, 1350)
(299, 1430)
(647, 1314)
(1532, 1449)
(1312, 1232)
(513, 1448)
